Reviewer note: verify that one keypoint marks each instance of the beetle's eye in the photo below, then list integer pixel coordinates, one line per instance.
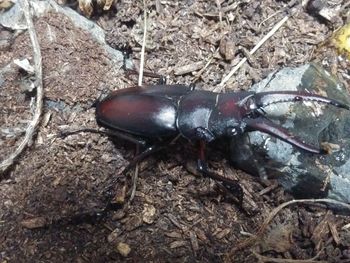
(252, 105)
(232, 131)
(249, 105)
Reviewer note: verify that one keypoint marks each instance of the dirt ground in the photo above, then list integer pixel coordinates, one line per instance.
(176, 215)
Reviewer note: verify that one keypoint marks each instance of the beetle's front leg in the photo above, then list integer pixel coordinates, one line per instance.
(228, 184)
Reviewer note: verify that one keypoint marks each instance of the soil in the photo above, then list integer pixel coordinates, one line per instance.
(176, 214)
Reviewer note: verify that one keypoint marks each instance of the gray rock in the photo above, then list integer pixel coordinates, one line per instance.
(305, 175)
(14, 19)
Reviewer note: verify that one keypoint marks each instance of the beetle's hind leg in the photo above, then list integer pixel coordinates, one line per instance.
(147, 151)
(110, 133)
(228, 185)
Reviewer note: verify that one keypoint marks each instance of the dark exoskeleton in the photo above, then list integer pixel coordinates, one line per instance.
(151, 115)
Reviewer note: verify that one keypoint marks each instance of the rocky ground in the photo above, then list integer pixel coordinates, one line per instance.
(176, 215)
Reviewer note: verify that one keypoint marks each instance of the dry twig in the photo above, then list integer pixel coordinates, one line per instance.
(4, 165)
(262, 259)
(200, 72)
(257, 46)
(251, 240)
(142, 63)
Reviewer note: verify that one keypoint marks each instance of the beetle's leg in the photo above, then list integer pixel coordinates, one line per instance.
(204, 134)
(147, 152)
(137, 159)
(112, 133)
(231, 185)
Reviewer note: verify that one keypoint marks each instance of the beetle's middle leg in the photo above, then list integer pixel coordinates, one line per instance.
(228, 184)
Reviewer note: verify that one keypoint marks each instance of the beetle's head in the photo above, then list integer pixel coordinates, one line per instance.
(252, 119)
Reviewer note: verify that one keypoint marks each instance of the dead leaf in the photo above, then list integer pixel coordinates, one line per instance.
(278, 238)
(123, 249)
(85, 6)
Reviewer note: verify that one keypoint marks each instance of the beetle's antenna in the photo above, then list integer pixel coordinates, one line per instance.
(244, 100)
(264, 99)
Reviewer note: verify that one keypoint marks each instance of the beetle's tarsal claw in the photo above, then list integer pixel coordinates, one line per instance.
(264, 99)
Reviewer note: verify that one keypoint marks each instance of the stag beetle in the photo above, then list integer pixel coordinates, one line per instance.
(153, 115)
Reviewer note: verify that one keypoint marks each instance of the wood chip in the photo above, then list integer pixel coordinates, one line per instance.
(334, 231)
(123, 249)
(188, 68)
(120, 195)
(227, 48)
(174, 234)
(201, 235)
(33, 223)
(178, 243)
(133, 223)
(148, 214)
(268, 189)
(174, 221)
(194, 241)
(112, 237)
(223, 233)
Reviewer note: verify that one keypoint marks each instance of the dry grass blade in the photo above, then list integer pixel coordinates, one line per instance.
(257, 46)
(4, 165)
(142, 60)
(262, 259)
